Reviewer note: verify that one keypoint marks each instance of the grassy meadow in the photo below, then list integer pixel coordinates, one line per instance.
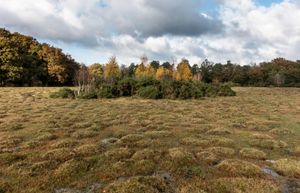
(249, 143)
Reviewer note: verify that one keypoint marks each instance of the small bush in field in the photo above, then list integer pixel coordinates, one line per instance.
(225, 90)
(186, 90)
(88, 95)
(63, 93)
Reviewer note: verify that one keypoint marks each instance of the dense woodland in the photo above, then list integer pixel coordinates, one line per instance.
(26, 62)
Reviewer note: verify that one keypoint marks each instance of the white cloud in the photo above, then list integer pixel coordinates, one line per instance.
(242, 31)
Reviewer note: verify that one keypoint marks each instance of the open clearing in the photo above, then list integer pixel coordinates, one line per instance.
(249, 143)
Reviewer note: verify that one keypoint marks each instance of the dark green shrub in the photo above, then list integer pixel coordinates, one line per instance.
(108, 91)
(149, 92)
(127, 86)
(199, 90)
(63, 93)
(225, 90)
(186, 90)
(211, 90)
(150, 88)
(147, 81)
(173, 89)
(168, 89)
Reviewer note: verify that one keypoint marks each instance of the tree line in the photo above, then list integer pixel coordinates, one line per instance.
(278, 72)
(26, 62)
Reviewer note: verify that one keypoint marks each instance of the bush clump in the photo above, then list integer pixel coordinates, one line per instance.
(108, 91)
(149, 88)
(149, 92)
(63, 93)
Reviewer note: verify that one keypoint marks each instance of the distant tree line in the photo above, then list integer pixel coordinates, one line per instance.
(279, 72)
(26, 62)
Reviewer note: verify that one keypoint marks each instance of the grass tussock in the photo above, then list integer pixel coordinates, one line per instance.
(219, 131)
(268, 143)
(253, 153)
(119, 153)
(147, 184)
(287, 167)
(281, 131)
(235, 167)
(242, 185)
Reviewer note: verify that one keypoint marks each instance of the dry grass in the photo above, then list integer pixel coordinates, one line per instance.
(235, 167)
(288, 167)
(197, 146)
(253, 153)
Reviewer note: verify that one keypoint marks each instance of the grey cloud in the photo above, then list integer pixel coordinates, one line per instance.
(100, 18)
(157, 18)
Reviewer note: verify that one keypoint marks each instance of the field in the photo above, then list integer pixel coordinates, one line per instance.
(249, 143)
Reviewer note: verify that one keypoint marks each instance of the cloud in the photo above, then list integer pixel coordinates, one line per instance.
(75, 20)
(239, 30)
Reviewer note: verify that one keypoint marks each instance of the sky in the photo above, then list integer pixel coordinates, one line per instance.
(243, 31)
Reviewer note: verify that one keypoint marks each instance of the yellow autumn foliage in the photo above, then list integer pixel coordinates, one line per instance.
(144, 71)
(112, 70)
(163, 73)
(183, 71)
